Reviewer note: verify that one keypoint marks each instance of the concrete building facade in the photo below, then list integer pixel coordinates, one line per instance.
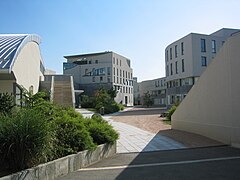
(21, 63)
(187, 58)
(211, 108)
(155, 87)
(101, 70)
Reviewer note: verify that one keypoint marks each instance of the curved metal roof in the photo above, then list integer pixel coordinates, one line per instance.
(10, 47)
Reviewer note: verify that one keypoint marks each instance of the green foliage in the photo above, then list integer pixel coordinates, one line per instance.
(41, 131)
(100, 130)
(172, 110)
(71, 134)
(147, 99)
(25, 138)
(105, 99)
(87, 102)
(6, 103)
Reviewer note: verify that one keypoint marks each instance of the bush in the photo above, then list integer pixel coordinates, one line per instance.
(171, 111)
(87, 102)
(25, 139)
(100, 130)
(71, 135)
(6, 103)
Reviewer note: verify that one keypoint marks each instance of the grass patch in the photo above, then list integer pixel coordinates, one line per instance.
(167, 121)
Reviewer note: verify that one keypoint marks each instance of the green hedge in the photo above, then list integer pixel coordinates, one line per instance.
(100, 130)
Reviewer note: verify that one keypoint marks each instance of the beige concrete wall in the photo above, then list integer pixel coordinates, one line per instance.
(211, 108)
(26, 67)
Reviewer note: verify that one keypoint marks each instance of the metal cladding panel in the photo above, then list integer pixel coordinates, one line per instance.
(10, 46)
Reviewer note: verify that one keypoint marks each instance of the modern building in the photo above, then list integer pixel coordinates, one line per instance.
(21, 64)
(155, 87)
(211, 108)
(101, 70)
(187, 58)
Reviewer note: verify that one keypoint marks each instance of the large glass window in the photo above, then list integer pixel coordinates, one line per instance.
(213, 46)
(203, 45)
(204, 60)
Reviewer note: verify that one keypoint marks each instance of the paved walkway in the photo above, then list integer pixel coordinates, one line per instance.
(133, 139)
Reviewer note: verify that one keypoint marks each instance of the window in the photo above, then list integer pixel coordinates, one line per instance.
(167, 55)
(113, 60)
(90, 62)
(170, 53)
(167, 71)
(120, 62)
(114, 71)
(175, 51)
(117, 71)
(203, 45)
(120, 73)
(204, 60)
(108, 71)
(171, 69)
(109, 79)
(96, 61)
(183, 68)
(176, 67)
(101, 78)
(213, 46)
(117, 61)
(182, 49)
(93, 79)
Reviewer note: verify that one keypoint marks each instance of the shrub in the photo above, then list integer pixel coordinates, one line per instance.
(87, 102)
(100, 130)
(6, 103)
(25, 139)
(171, 111)
(71, 135)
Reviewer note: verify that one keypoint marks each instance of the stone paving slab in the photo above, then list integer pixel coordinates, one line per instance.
(133, 139)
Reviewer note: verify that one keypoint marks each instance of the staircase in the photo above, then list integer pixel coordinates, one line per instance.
(61, 89)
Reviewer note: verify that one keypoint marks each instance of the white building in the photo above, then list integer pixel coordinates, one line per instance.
(155, 87)
(187, 58)
(21, 63)
(211, 108)
(104, 69)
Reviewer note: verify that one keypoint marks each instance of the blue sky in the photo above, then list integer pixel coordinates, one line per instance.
(137, 29)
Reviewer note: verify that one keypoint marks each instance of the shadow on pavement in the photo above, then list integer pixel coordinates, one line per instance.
(221, 162)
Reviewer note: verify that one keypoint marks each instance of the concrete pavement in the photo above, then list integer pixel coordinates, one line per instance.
(220, 162)
(133, 139)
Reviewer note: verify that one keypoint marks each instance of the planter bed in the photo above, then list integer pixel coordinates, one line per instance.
(65, 165)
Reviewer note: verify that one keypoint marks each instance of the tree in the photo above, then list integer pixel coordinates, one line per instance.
(147, 100)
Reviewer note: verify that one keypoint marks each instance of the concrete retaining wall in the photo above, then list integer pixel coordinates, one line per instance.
(65, 165)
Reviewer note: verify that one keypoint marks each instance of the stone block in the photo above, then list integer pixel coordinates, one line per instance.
(61, 167)
(46, 171)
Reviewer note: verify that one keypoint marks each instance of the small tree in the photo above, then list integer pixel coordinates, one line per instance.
(6, 103)
(147, 100)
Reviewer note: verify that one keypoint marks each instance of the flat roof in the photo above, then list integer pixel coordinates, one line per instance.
(87, 54)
